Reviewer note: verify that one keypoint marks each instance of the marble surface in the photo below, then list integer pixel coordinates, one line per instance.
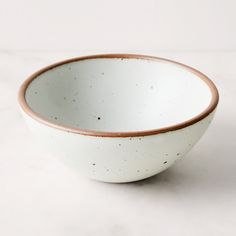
(40, 196)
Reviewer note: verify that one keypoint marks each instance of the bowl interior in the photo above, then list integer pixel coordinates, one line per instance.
(118, 94)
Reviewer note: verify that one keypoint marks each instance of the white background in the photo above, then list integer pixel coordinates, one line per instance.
(40, 196)
(118, 25)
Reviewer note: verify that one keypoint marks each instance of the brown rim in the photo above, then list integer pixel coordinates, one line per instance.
(37, 117)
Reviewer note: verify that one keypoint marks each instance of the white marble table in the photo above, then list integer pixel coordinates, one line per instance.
(39, 196)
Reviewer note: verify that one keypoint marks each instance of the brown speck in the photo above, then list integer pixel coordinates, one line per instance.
(69, 68)
(119, 144)
(164, 162)
(178, 154)
(166, 154)
(138, 170)
(55, 118)
(140, 138)
(35, 92)
(64, 98)
(152, 87)
(94, 164)
(102, 73)
(90, 86)
(99, 118)
(125, 160)
(107, 169)
(136, 150)
(74, 100)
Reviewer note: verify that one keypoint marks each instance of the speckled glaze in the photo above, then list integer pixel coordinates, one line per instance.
(118, 118)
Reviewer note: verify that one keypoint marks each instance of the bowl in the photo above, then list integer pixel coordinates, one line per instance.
(118, 117)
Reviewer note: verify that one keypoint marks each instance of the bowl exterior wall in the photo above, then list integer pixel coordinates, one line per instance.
(118, 159)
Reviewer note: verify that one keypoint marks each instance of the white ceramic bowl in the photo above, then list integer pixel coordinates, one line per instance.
(116, 117)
